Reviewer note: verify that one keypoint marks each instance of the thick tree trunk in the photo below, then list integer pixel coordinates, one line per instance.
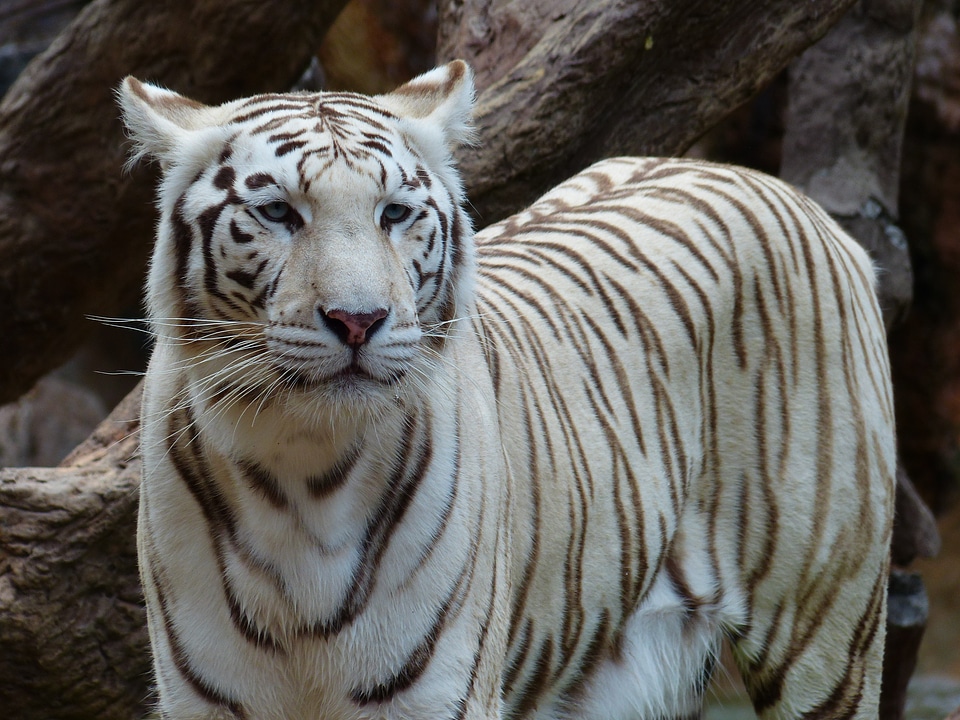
(845, 126)
(925, 352)
(75, 230)
(564, 83)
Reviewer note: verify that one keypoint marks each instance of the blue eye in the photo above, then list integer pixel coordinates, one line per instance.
(395, 213)
(277, 211)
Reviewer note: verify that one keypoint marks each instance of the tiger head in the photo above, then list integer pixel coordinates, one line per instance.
(308, 242)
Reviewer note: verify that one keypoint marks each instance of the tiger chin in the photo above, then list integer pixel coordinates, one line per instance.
(394, 468)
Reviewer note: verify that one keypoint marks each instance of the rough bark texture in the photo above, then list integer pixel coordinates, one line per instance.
(75, 230)
(47, 423)
(73, 643)
(915, 533)
(564, 83)
(925, 352)
(844, 132)
(27, 27)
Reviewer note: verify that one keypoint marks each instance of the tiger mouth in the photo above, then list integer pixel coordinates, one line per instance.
(351, 376)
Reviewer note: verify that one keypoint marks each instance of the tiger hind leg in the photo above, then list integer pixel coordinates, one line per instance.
(664, 663)
(829, 670)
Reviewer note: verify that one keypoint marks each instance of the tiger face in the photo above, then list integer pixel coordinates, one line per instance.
(311, 242)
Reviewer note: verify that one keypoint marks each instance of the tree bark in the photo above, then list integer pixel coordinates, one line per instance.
(27, 27)
(73, 641)
(847, 112)
(75, 230)
(564, 83)
(925, 352)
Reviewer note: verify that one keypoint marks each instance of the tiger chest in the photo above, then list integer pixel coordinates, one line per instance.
(329, 574)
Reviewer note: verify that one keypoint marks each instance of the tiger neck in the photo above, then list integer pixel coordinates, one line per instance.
(317, 503)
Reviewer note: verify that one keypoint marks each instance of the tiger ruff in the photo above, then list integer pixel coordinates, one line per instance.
(392, 470)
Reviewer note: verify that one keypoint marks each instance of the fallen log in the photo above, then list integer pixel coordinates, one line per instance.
(73, 641)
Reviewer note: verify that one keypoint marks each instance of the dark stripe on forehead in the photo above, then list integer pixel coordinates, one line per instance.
(260, 180)
(280, 107)
(280, 137)
(424, 177)
(304, 98)
(378, 146)
(331, 107)
(279, 121)
(354, 103)
(289, 147)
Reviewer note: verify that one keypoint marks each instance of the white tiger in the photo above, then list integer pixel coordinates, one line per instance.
(395, 471)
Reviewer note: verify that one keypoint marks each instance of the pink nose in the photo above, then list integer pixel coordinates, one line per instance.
(354, 329)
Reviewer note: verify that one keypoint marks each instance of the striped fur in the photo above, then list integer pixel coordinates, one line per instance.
(393, 470)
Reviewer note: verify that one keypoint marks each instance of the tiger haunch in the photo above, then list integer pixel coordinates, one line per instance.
(393, 470)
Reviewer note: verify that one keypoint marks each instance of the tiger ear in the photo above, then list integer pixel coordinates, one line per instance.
(158, 121)
(443, 97)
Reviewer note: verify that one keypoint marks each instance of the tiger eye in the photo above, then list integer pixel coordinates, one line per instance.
(395, 213)
(277, 211)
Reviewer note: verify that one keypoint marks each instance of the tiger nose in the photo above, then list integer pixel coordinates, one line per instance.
(353, 329)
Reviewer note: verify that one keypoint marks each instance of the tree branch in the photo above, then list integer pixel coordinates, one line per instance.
(563, 84)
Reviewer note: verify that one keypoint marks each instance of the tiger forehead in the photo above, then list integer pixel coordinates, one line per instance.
(348, 122)
(327, 132)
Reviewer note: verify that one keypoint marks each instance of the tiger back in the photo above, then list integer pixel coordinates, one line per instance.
(693, 387)
(394, 470)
